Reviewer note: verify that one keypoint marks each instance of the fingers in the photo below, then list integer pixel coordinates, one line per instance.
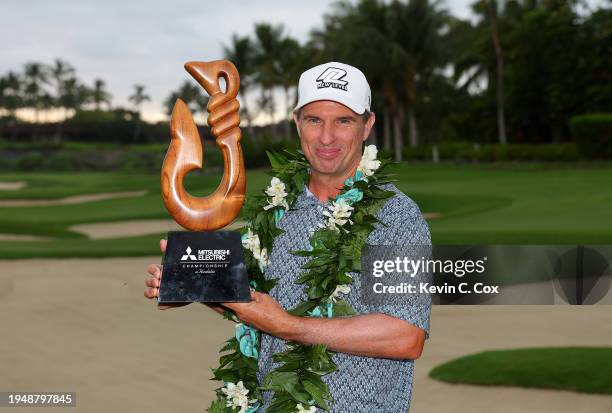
(151, 292)
(155, 270)
(152, 282)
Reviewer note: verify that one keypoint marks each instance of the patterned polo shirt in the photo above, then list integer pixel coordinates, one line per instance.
(361, 384)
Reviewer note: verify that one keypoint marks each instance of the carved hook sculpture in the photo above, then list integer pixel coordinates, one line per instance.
(185, 152)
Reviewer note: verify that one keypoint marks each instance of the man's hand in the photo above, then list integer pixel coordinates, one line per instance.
(264, 313)
(153, 282)
(370, 335)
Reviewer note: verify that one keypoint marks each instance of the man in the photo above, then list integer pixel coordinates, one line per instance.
(375, 348)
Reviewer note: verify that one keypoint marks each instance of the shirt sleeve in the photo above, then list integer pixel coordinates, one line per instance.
(406, 232)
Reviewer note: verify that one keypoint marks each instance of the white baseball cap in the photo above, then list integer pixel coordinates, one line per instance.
(338, 82)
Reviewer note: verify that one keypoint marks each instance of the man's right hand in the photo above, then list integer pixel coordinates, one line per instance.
(154, 280)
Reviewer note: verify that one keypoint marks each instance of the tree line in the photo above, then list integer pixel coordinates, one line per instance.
(516, 72)
(39, 86)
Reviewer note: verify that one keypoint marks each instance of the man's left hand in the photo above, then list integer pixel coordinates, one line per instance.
(264, 313)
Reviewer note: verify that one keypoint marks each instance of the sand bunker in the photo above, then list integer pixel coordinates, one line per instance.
(77, 199)
(102, 230)
(83, 325)
(12, 186)
(134, 228)
(16, 237)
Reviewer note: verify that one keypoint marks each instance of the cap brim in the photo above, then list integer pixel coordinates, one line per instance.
(321, 95)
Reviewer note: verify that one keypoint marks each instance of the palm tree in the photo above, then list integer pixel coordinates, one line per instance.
(191, 95)
(35, 77)
(268, 44)
(59, 71)
(10, 93)
(241, 53)
(11, 97)
(290, 68)
(415, 27)
(491, 6)
(83, 96)
(138, 98)
(478, 61)
(407, 34)
(99, 95)
(359, 35)
(71, 95)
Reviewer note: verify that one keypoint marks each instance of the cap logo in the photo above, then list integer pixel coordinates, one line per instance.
(332, 77)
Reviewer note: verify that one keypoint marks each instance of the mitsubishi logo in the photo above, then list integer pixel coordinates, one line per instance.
(188, 256)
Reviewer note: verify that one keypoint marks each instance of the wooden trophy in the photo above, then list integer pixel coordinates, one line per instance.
(203, 264)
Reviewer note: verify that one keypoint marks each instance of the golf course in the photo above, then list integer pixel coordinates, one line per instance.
(43, 215)
(74, 248)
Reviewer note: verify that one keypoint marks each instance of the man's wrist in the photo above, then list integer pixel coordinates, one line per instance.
(290, 327)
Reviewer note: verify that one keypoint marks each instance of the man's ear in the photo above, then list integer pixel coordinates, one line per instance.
(297, 124)
(368, 126)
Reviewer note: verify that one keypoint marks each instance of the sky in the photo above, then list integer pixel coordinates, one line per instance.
(125, 42)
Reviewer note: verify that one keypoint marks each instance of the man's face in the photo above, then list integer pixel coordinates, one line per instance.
(331, 136)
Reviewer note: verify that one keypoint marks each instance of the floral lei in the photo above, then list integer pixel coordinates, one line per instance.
(335, 249)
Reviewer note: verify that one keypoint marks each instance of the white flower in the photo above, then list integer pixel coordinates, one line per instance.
(369, 164)
(250, 241)
(277, 191)
(236, 395)
(262, 257)
(338, 214)
(302, 409)
(340, 289)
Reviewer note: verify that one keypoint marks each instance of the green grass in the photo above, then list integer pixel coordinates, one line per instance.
(478, 204)
(63, 184)
(579, 369)
(521, 203)
(67, 248)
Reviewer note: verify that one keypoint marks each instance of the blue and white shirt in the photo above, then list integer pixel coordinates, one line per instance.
(361, 384)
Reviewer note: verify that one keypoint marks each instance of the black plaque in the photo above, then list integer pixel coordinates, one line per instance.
(204, 267)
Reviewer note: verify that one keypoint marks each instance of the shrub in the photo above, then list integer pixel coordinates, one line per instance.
(31, 162)
(471, 152)
(593, 134)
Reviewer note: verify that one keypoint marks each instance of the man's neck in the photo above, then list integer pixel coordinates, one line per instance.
(326, 187)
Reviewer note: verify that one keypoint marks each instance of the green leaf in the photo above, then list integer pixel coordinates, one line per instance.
(218, 406)
(289, 382)
(317, 392)
(319, 360)
(231, 344)
(303, 308)
(342, 308)
(276, 160)
(282, 403)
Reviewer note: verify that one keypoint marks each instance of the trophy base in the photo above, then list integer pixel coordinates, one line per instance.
(206, 267)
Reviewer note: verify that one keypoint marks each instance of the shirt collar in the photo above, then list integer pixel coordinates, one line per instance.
(307, 199)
